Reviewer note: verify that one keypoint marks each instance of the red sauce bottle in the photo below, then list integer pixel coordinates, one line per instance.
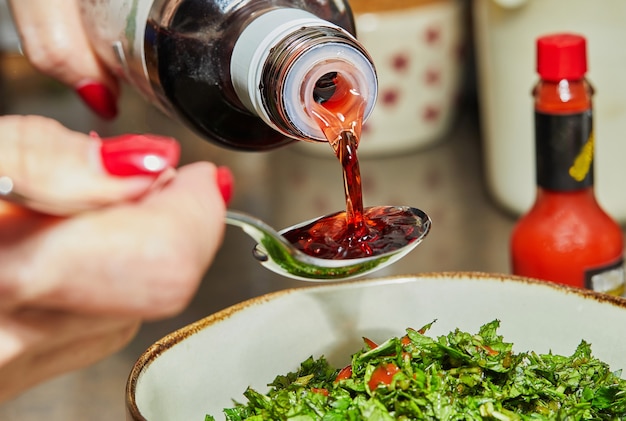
(566, 237)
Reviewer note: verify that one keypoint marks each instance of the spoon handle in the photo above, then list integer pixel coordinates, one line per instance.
(48, 204)
(254, 227)
(10, 193)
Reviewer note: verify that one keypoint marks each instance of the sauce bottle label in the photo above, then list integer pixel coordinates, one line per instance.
(564, 148)
(607, 279)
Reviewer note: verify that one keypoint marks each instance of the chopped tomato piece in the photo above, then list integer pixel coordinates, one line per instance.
(370, 343)
(345, 373)
(321, 391)
(383, 375)
(490, 350)
(405, 340)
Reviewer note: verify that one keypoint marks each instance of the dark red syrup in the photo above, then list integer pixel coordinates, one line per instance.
(357, 232)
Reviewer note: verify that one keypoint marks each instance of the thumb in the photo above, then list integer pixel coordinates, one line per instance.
(49, 162)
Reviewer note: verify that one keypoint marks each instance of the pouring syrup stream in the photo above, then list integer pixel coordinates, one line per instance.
(359, 231)
(340, 117)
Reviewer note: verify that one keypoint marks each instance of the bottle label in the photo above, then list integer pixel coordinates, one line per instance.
(564, 148)
(607, 279)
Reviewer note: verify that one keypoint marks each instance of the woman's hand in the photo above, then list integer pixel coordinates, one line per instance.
(73, 289)
(55, 42)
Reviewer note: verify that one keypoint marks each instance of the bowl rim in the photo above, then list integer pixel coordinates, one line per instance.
(170, 340)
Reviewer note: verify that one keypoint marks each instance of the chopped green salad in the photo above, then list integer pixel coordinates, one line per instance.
(459, 376)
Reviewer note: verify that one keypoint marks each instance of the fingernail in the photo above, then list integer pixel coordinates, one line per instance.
(225, 182)
(141, 154)
(99, 98)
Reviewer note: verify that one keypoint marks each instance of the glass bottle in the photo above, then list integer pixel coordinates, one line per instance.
(239, 72)
(566, 237)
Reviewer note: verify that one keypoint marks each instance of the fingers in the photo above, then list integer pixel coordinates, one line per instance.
(52, 163)
(36, 345)
(54, 40)
(142, 259)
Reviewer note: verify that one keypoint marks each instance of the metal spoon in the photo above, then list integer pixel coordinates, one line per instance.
(273, 251)
(278, 255)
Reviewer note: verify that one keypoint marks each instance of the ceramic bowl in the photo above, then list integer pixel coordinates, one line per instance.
(200, 368)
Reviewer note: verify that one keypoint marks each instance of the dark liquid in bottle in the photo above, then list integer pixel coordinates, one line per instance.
(357, 232)
(195, 88)
(190, 59)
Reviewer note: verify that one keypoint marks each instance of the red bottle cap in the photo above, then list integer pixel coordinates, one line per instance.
(561, 56)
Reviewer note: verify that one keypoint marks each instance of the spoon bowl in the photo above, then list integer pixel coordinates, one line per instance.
(277, 254)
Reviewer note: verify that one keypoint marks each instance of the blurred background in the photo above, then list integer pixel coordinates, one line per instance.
(455, 85)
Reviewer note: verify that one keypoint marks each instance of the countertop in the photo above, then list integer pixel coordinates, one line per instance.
(282, 187)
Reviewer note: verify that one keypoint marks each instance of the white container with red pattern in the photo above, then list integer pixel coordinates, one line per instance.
(417, 47)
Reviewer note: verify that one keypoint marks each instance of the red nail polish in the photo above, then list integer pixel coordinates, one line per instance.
(225, 182)
(99, 98)
(129, 155)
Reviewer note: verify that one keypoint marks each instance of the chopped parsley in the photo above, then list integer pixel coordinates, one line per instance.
(458, 376)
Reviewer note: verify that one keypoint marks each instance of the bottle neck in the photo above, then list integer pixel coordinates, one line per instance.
(282, 62)
(564, 140)
(564, 96)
